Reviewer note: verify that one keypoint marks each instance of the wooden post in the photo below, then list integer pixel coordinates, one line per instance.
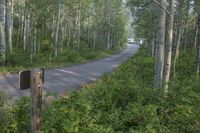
(36, 99)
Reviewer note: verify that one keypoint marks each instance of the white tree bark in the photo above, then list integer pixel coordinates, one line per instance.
(19, 30)
(20, 41)
(64, 28)
(2, 30)
(94, 41)
(198, 48)
(69, 37)
(169, 48)
(198, 61)
(152, 48)
(25, 32)
(35, 42)
(57, 29)
(108, 35)
(196, 36)
(178, 43)
(10, 23)
(158, 78)
(78, 26)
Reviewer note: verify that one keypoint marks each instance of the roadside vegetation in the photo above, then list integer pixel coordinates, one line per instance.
(59, 32)
(124, 101)
(155, 91)
(20, 61)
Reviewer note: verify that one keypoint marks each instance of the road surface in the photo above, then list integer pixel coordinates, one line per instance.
(62, 80)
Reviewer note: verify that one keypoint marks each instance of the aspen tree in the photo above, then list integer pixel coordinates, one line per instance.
(57, 28)
(169, 48)
(160, 50)
(2, 30)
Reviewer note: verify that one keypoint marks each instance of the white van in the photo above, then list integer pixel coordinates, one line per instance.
(130, 41)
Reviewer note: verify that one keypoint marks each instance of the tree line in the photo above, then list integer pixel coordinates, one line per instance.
(168, 27)
(55, 25)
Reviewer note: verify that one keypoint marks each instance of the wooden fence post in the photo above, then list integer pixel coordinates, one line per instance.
(36, 99)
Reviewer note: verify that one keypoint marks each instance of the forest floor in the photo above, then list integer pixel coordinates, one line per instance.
(61, 80)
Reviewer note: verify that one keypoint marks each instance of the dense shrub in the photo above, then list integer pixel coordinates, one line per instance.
(124, 101)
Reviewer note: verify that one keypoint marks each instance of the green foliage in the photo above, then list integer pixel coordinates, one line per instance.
(186, 64)
(144, 23)
(14, 118)
(122, 102)
(98, 19)
(7, 123)
(22, 114)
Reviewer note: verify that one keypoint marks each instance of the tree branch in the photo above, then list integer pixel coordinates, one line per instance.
(188, 22)
(142, 7)
(146, 4)
(156, 2)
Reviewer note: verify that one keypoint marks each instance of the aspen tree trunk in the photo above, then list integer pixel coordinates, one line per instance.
(52, 38)
(62, 40)
(198, 48)
(57, 29)
(32, 48)
(108, 35)
(78, 28)
(94, 41)
(198, 61)
(152, 48)
(108, 41)
(149, 38)
(184, 39)
(178, 39)
(111, 40)
(2, 30)
(35, 42)
(196, 36)
(30, 37)
(176, 51)
(69, 37)
(181, 40)
(5, 17)
(10, 24)
(88, 33)
(63, 37)
(158, 79)
(38, 45)
(20, 23)
(154, 35)
(169, 49)
(19, 30)
(51, 29)
(28, 34)
(25, 32)
(178, 43)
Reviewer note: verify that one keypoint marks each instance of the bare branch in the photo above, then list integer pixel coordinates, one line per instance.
(156, 2)
(188, 22)
(146, 4)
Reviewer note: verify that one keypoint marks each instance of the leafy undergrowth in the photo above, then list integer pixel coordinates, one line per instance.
(123, 102)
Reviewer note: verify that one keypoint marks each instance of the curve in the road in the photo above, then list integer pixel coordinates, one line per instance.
(63, 79)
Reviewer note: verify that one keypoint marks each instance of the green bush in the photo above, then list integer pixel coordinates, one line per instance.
(122, 102)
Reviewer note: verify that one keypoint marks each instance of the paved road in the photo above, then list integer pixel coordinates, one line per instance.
(60, 80)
